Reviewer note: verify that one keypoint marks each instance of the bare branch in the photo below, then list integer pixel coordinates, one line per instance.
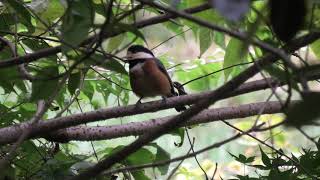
(83, 133)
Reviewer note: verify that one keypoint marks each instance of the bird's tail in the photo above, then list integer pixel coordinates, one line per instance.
(180, 92)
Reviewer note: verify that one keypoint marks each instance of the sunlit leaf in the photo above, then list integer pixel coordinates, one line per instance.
(54, 10)
(233, 56)
(205, 39)
(76, 22)
(315, 46)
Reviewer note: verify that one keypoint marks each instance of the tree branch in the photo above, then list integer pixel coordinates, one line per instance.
(84, 133)
(11, 133)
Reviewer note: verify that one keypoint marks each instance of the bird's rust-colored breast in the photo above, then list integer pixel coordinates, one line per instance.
(152, 82)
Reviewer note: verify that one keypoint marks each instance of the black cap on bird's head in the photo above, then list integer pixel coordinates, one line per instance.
(138, 52)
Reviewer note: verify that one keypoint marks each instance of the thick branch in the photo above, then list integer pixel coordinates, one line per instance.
(11, 133)
(85, 133)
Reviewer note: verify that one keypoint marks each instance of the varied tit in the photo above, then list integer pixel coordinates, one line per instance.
(148, 76)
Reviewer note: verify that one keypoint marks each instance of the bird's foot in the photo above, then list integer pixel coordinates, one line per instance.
(164, 99)
(138, 103)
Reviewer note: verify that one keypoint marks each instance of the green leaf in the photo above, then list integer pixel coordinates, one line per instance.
(6, 116)
(276, 72)
(304, 112)
(35, 44)
(53, 11)
(76, 22)
(161, 155)
(140, 175)
(206, 82)
(6, 20)
(142, 156)
(233, 56)
(205, 40)
(74, 82)
(265, 159)
(9, 77)
(135, 158)
(115, 42)
(219, 39)
(283, 175)
(130, 28)
(43, 89)
(99, 7)
(250, 159)
(88, 89)
(242, 159)
(7, 173)
(179, 132)
(109, 64)
(22, 12)
(315, 46)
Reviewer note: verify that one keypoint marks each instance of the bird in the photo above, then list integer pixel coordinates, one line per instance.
(149, 77)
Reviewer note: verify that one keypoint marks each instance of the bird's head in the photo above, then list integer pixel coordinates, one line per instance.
(138, 52)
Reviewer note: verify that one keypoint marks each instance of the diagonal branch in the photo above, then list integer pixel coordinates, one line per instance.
(192, 111)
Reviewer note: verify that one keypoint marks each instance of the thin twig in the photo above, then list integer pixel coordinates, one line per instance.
(195, 157)
(177, 167)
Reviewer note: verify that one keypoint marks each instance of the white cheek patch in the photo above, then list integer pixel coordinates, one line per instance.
(137, 68)
(139, 55)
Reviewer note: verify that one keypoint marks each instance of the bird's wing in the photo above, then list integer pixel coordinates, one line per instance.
(164, 70)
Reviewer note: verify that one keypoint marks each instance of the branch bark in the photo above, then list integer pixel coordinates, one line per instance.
(85, 133)
(10, 134)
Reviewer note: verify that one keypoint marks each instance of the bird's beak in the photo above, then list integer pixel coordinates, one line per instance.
(127, 57)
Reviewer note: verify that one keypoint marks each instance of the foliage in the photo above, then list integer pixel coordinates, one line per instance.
(281, 167)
